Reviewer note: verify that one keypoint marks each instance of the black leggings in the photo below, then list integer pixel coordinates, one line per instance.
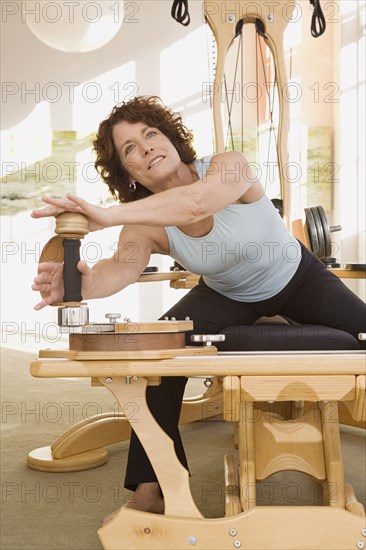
(313, 296)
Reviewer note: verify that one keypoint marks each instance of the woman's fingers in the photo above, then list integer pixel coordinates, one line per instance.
(41, 287)
(49, 267)
(48, 280)
(77, 200)
(83, 268)
(47, 211)
(45, 302)
(57, 206)
(44, 277)
(64, 204)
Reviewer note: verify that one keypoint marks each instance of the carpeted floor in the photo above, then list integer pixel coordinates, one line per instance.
(44, 511)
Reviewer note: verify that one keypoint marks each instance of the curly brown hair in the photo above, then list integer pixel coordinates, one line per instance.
(153, 113)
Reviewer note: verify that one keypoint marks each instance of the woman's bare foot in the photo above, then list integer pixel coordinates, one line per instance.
(147, 498)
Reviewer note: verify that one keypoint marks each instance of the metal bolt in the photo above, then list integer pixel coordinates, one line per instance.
(187, 319)
(270, 18)
(192, 540)
(166, 318)
(135, 378)
(109, 380)
(230, 18)
(147, 530)
(232, 532)
(360, 545)
(128, 379)
(173, 319)
(127, 319)
(237, 543)
(363, 532)
(208, 382)
(113, 317)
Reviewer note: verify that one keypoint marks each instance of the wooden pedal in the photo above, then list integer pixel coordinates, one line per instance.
(42, 459)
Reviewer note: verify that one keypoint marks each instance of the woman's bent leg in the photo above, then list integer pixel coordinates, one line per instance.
(210, 312)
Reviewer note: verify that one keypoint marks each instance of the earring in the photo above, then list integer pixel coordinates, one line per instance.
(132, 186)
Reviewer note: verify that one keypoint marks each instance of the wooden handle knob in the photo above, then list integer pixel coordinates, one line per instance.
(72, 223)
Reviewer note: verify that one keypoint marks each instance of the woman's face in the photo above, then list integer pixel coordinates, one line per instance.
(146, 153)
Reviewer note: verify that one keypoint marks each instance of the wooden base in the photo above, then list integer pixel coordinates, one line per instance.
(43, 460)
(309, 443)
(274, 528)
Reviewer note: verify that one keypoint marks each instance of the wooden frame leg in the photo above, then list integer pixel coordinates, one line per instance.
(173, 477)
(334, 485)
(247, 477)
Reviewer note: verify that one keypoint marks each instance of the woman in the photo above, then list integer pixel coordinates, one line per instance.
(214, 218)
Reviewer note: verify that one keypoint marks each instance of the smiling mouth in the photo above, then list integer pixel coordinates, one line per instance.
(156, 161)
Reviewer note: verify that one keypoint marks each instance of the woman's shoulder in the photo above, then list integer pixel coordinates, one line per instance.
(226, 156)
(220, 162)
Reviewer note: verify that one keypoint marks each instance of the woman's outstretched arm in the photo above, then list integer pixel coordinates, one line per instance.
(228, 178)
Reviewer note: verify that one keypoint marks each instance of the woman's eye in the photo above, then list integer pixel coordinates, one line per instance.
(128, 149)
(151, 133)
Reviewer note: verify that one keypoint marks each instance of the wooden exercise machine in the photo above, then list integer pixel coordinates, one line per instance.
(247, 388)
(267, 444)
(127, 357)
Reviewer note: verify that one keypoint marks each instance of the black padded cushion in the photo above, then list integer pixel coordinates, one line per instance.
(285, 337)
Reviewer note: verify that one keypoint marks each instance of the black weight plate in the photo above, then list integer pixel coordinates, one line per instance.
(355, 265)
(313, 235)
(328, 240)
(319, 230)
(278, 204)
(150, 269)
(177, 267)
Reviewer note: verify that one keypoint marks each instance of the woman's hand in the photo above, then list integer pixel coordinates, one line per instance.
(98, 217)
(50, 279)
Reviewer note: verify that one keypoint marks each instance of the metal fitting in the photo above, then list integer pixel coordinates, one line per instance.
(192, 540)
(73, 316)
(232, 532)
(109, 380)
(112, 317)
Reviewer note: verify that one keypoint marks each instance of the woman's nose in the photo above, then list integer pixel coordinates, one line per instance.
(148, 150)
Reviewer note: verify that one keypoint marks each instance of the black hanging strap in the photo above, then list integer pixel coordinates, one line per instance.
(180, 12)
(318, 20)
(259, 27)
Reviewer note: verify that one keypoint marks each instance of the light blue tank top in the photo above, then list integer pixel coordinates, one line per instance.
(248, 255)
